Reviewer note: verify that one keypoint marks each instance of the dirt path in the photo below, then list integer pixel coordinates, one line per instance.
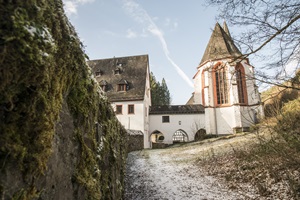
(172, 173)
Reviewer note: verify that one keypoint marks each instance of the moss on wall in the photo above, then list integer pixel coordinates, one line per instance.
(43, 64)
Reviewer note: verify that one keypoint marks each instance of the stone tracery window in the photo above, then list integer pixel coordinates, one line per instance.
(221, 85)
(241, 84)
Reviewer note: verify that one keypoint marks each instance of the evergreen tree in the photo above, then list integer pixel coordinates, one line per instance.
(166, 98)
(160, 94)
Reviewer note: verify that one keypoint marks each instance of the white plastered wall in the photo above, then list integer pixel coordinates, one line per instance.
(222, 120)
(134, 121)
(189, 123)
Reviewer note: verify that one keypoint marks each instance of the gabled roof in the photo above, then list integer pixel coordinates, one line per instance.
(131, 71)
(123, 81)
(220, 45)
(103, 82)
(191, 100)
(176, 109)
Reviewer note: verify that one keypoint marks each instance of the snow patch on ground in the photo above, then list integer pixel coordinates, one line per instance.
(172, 173)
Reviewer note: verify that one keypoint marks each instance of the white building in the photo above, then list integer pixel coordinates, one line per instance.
(126, 83)
(176, 123)
(225, 86)
(225, 98)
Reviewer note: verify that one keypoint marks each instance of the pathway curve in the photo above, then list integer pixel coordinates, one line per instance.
(170, 174)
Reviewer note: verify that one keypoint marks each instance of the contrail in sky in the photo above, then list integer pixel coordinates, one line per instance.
(141, 16)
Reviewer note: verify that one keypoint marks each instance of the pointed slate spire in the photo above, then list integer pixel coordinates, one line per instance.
(220, 45)
(225, 28)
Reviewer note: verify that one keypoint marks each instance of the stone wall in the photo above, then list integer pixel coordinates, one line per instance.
(59, 137)
(159, 145)
(135, 140)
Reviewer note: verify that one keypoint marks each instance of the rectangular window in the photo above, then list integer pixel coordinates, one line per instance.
(121, 87)
(165, 119)
(119, 109)
(98, 73)
(130, 109)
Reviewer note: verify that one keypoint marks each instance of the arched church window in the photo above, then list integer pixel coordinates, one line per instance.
(221, 85)
(180, 136)
(241, 84)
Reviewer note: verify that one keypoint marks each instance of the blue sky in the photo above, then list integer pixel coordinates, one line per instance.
(174, 33)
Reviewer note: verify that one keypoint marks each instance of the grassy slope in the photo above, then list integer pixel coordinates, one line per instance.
(271, 167)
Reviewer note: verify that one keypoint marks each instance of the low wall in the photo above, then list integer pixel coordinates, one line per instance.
(135, 140)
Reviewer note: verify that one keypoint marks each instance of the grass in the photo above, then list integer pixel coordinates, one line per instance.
(272, 166)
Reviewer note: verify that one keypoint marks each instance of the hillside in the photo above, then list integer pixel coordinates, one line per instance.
(210, 169)
(276, 96)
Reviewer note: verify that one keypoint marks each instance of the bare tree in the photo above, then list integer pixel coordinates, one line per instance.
(270, 33)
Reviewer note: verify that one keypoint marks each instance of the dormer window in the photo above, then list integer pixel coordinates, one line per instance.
(103, 84)
(117, 71)
(99, 73)
(123, 85)
(103, 87)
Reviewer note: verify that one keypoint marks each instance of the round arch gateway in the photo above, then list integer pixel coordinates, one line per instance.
(200, 134)
(157, 136)
(180, 136)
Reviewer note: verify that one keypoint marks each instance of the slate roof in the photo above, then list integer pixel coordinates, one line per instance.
(220, 45)
(176, 109)
(191, 100)
(131, 71)
(134, 132)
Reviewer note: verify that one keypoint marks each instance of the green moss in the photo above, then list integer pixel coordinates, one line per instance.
(24, 194)
(43, 63)
(29, 104)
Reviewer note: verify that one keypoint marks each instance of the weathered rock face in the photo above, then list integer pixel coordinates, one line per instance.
(59, 137)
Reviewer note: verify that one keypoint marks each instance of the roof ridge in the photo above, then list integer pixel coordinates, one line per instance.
(220, 45)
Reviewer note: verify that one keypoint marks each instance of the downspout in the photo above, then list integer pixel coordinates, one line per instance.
(216, 123)
(128, 122)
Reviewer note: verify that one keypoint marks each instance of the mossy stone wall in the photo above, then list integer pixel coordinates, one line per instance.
(59, 137)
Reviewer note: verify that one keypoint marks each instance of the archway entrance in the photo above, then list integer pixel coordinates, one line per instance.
(157, 137)
(180, 136)
(200, 134)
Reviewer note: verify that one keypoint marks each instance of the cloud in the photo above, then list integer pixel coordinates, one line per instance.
(141, 16)
(170, 24)
(70, 6)
(131, 34)
(175, 24)
(110, 33)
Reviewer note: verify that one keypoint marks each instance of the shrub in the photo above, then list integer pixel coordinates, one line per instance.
(288, 126)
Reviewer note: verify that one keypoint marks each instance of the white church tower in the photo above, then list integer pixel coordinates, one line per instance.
(225, 85)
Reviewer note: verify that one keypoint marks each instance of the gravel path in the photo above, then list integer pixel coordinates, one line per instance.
(172, 174)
